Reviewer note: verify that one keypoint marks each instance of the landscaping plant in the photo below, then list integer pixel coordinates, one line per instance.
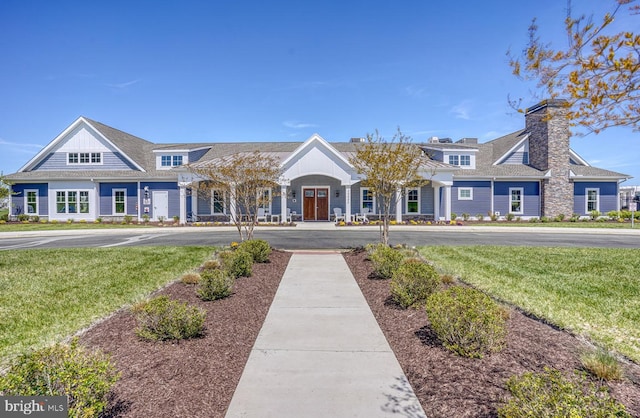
(237, 263)
(258, 248)
(162, 319)
(385, 260)
(413, 282)
(602, 364)
(215, 284)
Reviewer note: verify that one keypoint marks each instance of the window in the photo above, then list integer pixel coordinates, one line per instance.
(264, 199)
(170, 160)
(516, 200)
(367, 200)
(413, 200)
(465, 193)
(119, 201)
(217, 201)
(177, 160)
(593, 198)
(465, 160)
(31, 201)
(454, 160)
(84, 158)
(525, 157)
(67, 201)
(165, 161)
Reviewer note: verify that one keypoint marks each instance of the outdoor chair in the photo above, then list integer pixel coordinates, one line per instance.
(339, 216)
(363, 216)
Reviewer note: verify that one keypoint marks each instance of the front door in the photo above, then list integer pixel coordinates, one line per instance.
(315, 204)
(160, 205)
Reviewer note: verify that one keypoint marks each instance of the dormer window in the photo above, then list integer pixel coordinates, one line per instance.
(465, 160)
(460, 160)
(171, 160)
(454, 159)
(84, 158)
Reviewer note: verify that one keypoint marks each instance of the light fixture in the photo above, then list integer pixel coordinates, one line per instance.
(337, 193)
(293, 194)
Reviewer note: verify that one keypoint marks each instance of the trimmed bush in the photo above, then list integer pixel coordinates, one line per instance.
(258, 248)
(84, 377)
(238, 263)
(550, 394)
(190, 278)
(162, 319)
(413, 282)
(467, 321)
(385, 260)
(215, 284)
(211, 265)
(602, 364)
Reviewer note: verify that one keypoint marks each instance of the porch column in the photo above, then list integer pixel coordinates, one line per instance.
(194, 202)
(232, 204)
(183, 202)
(347, 203)
(447, 202)
(283, 203)
(399, 206)
(436, 202)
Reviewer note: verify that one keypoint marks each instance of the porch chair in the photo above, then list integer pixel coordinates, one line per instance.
(289, 217)
(262, 215)
(363, 216)
(337, 213)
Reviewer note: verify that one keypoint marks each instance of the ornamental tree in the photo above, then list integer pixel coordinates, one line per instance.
(388, 167)
(241, 179)
(598, 72)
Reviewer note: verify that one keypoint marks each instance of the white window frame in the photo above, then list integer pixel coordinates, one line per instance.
(265, 191)
(521, 190)
(222, 201)
(525, 157)
(467, 159)
(114, 202)
(406, 204)
(84, 158)
(26, 201)
(176, 160)
(454, 159)
(166, 158)
(372, 200)
(79, 202)
(461, 189)
(586, 199)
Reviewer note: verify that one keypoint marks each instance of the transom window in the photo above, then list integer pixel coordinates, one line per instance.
(465, 193)
(84, 158)
(31, 201)
(413, 200)
(367, 200)
(72, 201)
(119, 202)
(593, 198)
(516, 200)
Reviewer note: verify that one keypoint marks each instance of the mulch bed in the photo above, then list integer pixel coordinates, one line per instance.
(190, 378)
(448, 385)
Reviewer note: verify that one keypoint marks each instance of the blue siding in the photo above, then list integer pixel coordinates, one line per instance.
(106, 197)
(481, 202)
(516, 158)
(196, 155)
(531, 199)
(58, 161)
(174, 196)
(18, 198)
(608, 192)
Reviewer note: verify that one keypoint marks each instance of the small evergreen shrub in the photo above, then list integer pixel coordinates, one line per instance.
(594, 214)
(510, 216)
(385, 260)
(190, 278)
(550, 394)
(238, 263)
(34, 218)
(211, 265)
(602, 364)
(413, 282)
(5, 217)
(533, 220)
(467, 321)
(215, 284)
(162, 319)
(259, 249)
(23, 217)
(480, 217)
(465, 217)
(85, 377)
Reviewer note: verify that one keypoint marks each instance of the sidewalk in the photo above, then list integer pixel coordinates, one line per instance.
(320, 352)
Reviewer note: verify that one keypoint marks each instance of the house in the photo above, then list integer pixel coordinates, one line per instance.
(93, 171)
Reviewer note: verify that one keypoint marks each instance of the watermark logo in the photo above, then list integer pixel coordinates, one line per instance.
(33, 406)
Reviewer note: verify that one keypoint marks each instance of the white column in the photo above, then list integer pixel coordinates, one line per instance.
(232, 204)
(399, 206)
(194, 199)
(347, 203)
(183, 202)
(283, 203)
(436, 202)
(447, 202)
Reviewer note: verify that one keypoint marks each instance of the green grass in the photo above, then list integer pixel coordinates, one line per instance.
(3, 212)
(47, 295)
(590, 291)
(579, 224)
(33, 226)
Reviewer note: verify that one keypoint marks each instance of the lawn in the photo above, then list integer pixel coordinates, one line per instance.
(34, 226)
(588, 291)
(47, 295)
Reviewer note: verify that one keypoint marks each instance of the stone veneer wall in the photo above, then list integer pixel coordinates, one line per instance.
(549, 135)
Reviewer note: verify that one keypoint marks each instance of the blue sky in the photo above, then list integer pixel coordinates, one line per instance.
(206, 71)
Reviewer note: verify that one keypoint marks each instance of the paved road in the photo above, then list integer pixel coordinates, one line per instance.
(307, 238)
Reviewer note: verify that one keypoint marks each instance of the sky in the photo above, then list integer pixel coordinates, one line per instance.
(279, 70)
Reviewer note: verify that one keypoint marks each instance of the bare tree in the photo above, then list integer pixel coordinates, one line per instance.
(242, 179)
(388, 168)
(598, 72)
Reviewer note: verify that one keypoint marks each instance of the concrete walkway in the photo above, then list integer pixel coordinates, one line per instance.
(321, 353)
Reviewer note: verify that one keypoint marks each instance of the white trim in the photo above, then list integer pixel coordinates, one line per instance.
(406, 200)
(373, 201)
(460, 197)
(113, 201)
(511, 150)
(511, 190)
(26, 202)
(307, 143)
(586, 199)
(224, 202)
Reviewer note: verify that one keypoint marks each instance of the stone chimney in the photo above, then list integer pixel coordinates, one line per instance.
(548, 130)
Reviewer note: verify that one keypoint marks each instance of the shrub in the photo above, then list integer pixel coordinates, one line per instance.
(544, 219)
(594, 214)
(454, 216)
(492, 215)
(465, 217)
(34, 218)
(560, 217)
(145, 218)
(215, 284)
(413, 282)
(510, 216)
(238, 263)
(533, 220)
(128, 219)
(447, 279)
(258, 248)
(480, 217)
(190, 278)
(550, 394)
(467, 321)
(211, 265)
(385, 260)
(602, 364)
(614, 215)
(84, 377)
(23, 217)
(5, 217)
(162, 319)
